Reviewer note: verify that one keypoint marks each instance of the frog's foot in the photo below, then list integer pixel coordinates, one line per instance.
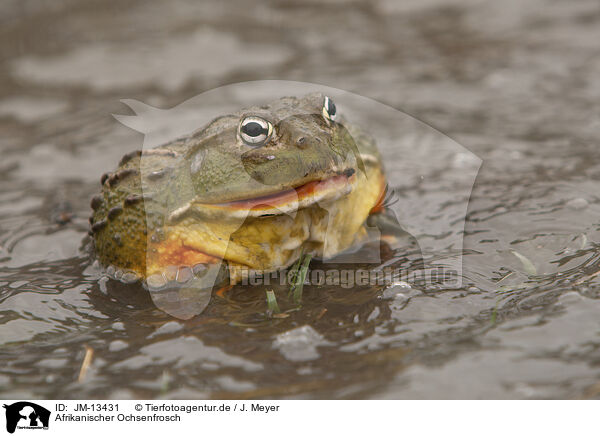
(123, 275)
(223, 290)
(184, 291)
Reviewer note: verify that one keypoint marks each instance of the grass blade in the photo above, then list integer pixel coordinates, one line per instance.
(272, 302)
(293, 273)
(299, 286)
(527, 264)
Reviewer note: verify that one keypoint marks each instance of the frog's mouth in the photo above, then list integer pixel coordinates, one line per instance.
(287, 200)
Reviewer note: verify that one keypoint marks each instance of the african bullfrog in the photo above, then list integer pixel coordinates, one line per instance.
(250, 191)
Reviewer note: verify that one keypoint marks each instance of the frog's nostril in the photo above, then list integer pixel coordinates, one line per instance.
(301, 141)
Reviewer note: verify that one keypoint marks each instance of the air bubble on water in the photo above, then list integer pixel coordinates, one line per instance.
(398, 292)
(300, 344)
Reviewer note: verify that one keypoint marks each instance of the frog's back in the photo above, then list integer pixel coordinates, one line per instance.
(120, 222)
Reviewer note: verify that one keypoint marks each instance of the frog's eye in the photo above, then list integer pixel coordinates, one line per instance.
(255, 130)
(329, 110)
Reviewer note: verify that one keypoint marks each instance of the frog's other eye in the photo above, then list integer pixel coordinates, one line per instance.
(329, 110)
(255, 130)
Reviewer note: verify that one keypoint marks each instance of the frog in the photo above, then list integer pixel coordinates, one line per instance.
(250, 192)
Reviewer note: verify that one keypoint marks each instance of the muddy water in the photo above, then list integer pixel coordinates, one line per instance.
(515, 83)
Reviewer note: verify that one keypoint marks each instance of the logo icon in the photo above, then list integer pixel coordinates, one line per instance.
(26, 415)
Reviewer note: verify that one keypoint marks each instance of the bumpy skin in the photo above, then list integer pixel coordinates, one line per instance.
(180, 204)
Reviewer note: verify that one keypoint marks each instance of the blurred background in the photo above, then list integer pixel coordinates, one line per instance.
(516, 83)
